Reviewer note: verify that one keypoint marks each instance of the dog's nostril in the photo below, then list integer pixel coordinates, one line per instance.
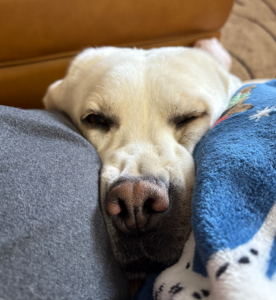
(148, 203)
(123, 213)
(116, 207)
(158, 204)
(148, 206)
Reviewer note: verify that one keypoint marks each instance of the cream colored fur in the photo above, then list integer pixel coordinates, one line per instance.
(144, 91)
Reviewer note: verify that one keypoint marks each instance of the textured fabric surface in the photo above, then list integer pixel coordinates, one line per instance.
(236, 173)
(53, 241)
(250, 36)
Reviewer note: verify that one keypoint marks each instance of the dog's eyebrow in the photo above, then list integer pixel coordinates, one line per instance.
(111, 119)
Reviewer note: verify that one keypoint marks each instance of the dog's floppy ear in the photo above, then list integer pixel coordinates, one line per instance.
(52, 99)
(60, 93)
(215, 49)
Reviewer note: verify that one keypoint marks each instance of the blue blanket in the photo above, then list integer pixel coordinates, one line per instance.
(231, 253)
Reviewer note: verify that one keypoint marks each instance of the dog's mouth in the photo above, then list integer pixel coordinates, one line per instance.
(145, 249)
(151, 252)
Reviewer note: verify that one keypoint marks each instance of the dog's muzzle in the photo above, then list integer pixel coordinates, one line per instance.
(136, 206)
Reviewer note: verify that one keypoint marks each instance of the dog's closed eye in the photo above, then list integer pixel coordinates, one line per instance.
(96, 121)
(183, 120)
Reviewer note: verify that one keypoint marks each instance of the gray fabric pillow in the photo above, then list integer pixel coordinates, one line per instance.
(53, 241)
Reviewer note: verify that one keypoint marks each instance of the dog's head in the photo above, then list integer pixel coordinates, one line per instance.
(144, 111)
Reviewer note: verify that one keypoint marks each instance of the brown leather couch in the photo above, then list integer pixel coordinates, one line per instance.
(39, 38)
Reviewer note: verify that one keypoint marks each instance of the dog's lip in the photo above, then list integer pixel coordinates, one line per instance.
(120, 225)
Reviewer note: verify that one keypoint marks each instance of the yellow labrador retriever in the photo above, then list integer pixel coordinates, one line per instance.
(144, 111)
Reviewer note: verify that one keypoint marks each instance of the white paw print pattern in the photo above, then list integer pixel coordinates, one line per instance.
(240, 273)
(180, 282)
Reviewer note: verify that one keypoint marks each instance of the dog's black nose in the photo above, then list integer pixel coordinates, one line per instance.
(137, 205)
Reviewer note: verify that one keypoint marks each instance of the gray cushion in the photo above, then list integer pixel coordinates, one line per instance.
(53, 241)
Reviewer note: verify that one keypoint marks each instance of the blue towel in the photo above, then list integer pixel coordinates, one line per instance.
(231, 253)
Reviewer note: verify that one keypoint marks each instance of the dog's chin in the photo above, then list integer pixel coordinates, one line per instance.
(155, 250)
(152, 252)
